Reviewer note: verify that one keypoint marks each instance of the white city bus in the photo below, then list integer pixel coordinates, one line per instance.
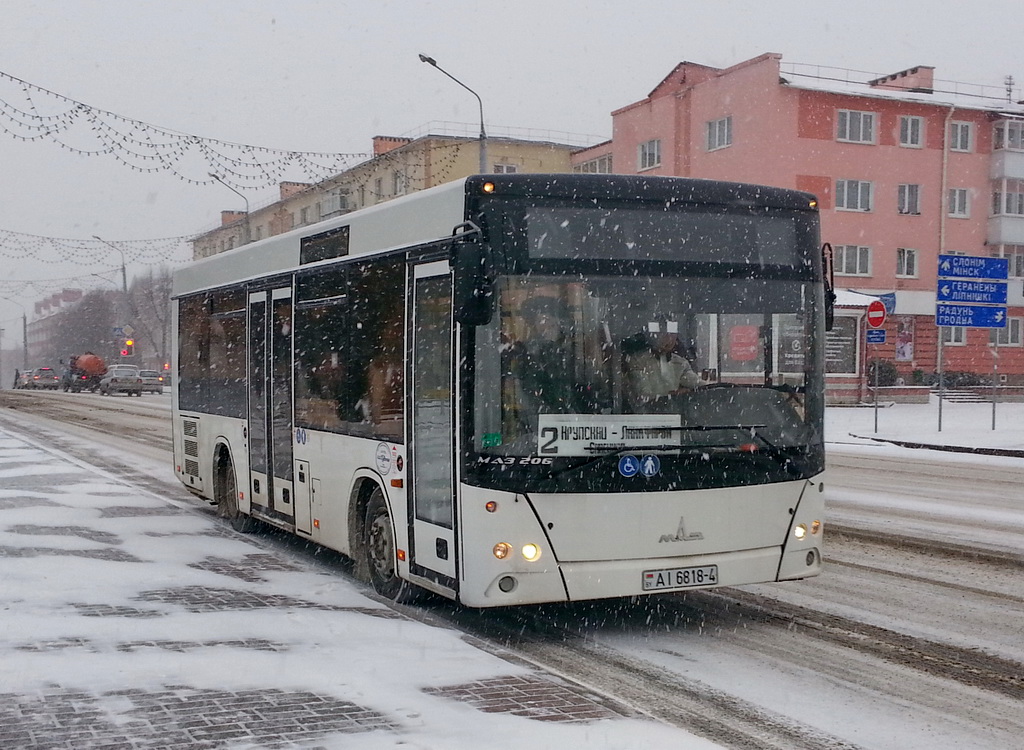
(520, 388)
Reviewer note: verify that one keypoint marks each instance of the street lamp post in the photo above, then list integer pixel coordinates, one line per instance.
(483, 135)
(246, 235)
(124, 273)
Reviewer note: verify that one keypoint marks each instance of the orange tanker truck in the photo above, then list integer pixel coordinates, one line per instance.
(83, 372)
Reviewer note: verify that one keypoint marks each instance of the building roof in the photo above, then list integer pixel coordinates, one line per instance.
(942, 92)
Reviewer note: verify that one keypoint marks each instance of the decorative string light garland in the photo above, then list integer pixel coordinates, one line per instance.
(150, 148)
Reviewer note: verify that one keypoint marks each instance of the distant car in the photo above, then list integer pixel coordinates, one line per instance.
(24, 380)
(44, 377)
(121, 379)
(152, 381)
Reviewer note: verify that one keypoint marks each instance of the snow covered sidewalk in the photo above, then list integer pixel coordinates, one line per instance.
(134, 621)
(964, 426)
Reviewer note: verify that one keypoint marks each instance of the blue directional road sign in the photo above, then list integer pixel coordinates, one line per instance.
(973, 267)
(971, 316)
(875, 335)
(972, 292)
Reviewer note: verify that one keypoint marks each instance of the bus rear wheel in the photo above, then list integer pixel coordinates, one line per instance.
(226, 495)
(381, 553)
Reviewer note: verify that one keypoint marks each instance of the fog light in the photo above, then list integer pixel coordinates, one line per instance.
(502, 550)
(507, 584)
(815, 526)
(531, 552)
(800, 531)
(812, 557)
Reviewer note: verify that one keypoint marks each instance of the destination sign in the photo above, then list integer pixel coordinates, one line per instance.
(970, 316)
(593, 434)
(973, 267)
(972, 292)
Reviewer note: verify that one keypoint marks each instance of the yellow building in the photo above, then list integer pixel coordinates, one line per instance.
(398, 166)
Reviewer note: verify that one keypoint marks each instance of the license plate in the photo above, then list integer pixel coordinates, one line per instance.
(678, 578)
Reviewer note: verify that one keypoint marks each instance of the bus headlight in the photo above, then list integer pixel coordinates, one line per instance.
(531, 552)
(800, 532)
(502, 550)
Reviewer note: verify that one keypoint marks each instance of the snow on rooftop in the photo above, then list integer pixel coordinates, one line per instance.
(943, 92)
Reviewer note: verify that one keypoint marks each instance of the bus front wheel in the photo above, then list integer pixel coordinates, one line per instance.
(381, 557)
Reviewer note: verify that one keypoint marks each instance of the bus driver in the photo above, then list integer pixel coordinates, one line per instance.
(654, 367)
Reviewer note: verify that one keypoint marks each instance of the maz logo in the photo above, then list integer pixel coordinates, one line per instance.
(681, 535)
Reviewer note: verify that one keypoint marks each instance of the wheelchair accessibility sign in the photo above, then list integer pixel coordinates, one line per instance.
(630, 466)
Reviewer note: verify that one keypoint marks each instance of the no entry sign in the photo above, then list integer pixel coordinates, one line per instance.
(876, 314)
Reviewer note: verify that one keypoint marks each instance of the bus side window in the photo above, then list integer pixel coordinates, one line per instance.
(376, 354)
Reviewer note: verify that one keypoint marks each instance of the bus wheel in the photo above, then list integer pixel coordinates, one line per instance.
(380, 552)
(226, 495)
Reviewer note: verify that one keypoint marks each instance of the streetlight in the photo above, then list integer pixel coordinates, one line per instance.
(246, 237)
(124, 274)
(483, 135)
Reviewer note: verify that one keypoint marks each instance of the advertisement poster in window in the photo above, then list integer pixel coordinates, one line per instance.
(905, 340)
(841, 347)
(791, 344)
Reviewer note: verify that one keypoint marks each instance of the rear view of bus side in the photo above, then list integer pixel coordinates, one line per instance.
(515, 389)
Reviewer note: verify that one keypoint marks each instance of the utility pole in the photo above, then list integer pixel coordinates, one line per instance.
(247, 233)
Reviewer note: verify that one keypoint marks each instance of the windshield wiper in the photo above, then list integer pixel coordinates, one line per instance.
(774, 451)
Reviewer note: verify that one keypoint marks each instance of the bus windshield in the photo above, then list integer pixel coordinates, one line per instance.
(694, 370)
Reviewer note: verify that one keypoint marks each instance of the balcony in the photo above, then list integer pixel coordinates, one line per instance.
(1006, 230)
(1007, 164)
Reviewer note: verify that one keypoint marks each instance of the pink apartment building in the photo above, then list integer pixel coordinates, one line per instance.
(905, 167)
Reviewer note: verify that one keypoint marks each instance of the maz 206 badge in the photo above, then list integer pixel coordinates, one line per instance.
(383, 458)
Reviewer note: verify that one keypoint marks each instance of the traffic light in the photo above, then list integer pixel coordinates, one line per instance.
(129, 348)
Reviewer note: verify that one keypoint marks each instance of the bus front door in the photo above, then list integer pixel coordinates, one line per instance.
(270, 403)
(433, 548)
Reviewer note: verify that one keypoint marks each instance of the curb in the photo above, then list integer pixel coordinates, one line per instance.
(1008, 452)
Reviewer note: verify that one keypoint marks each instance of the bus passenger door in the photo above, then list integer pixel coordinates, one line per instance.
(433, 547)
(270, 401)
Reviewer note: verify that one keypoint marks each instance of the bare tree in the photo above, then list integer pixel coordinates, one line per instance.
(88, 326)
(149, 301)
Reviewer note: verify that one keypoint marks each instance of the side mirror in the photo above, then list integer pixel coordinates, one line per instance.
(471, 264)
(828, 277)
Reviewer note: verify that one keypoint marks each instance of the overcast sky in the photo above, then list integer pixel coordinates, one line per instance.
(328, 75)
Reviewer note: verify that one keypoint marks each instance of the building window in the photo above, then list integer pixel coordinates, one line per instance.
(1009, 134)
(853, 195)
(908, 199)
(505, 169)
(719, 133)
(1010, 199)
(852, 260)
(856, 127)
(333, 203)
(378, 190)
(906, 263)
(1009, 336)
(954, 335)
(911, 131)
(960, 136)
(399, 182)
(959, 204)
(649, 155)
(1015, 255)
(600, 165)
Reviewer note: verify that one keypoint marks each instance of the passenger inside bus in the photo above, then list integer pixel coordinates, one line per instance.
(543, 360)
